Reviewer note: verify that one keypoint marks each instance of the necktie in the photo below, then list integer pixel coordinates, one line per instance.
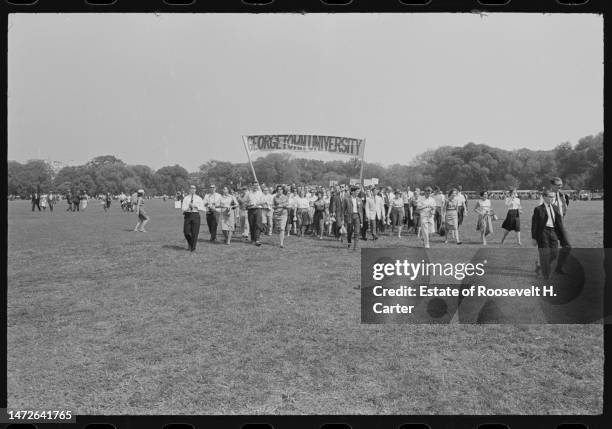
(192, 201)
(551, 214)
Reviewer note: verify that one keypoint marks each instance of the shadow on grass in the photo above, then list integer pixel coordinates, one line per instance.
(174, 247)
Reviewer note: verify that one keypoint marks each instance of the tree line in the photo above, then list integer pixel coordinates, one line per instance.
(474, 166)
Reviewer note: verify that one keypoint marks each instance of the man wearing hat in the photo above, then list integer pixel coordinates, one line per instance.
(212, 204)
(560, 201)
(192, 205)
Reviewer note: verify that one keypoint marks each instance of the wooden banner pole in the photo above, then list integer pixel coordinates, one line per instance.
(362, 162)
(246, 147)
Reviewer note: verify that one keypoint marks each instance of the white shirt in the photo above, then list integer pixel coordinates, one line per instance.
(197, 202)
(226, 201)
(303, 202)
(513, 203)
(211, 200)
(460, 198)
(354, 204)
(439, 199)
(254, 199)
(425, 206)
(268, 200)
(550, 222)
(558, 203)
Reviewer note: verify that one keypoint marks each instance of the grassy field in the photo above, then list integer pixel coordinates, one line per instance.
(103, 320)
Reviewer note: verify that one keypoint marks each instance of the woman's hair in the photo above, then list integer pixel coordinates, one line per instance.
(483, 192)
(451, 191)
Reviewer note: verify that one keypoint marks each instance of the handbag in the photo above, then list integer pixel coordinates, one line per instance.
(442, 230)
(343, 230)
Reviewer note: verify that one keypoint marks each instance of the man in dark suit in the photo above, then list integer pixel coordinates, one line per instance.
(547, 232)
(35, 201)
(352, 209)
(335, 211)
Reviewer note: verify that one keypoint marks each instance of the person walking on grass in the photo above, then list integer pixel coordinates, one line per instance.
(462, 205)
(320, 207)
(450, 215)
(254, 203)
(107, 201)
(69, 201)
(143, 219)
(512, 221)
(228, 206)
(303, 212)
(35, 201)
(370, 213)
(483, 209)
(213, 211)
(51, 200)
(547, 232)
(439, 198)
(243, 213)
(192, 204)
(426, 208)
(352, 208)
(396, 212)
(280, 202)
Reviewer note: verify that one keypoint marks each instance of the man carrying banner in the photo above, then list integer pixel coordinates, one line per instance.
(254, 203)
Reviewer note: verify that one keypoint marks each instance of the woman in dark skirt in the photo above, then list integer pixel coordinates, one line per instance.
(513, 220)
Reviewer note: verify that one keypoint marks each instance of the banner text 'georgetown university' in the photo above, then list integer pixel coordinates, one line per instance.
(310, 143)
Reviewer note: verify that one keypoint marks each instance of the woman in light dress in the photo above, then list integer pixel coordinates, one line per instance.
(512, 221)
(280, 204)
(483, 209)
(84, 200)
(228, 204)
(43, 202)
(396, 212)
(450, 215)
(143, 218)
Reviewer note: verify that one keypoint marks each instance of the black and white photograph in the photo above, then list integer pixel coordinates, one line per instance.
(190, 197)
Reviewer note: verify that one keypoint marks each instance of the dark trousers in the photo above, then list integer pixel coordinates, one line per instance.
(372, 226)
(460, 214)
(212, 220)
(35, 204)
(255, 223)
(407, 219)
(76, 206)
(438, 218)
(191, 229)
(364, 227)
(548, 248)
(336, 227)
(352, 228)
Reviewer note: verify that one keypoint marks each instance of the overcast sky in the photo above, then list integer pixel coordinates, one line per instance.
(183, 88)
